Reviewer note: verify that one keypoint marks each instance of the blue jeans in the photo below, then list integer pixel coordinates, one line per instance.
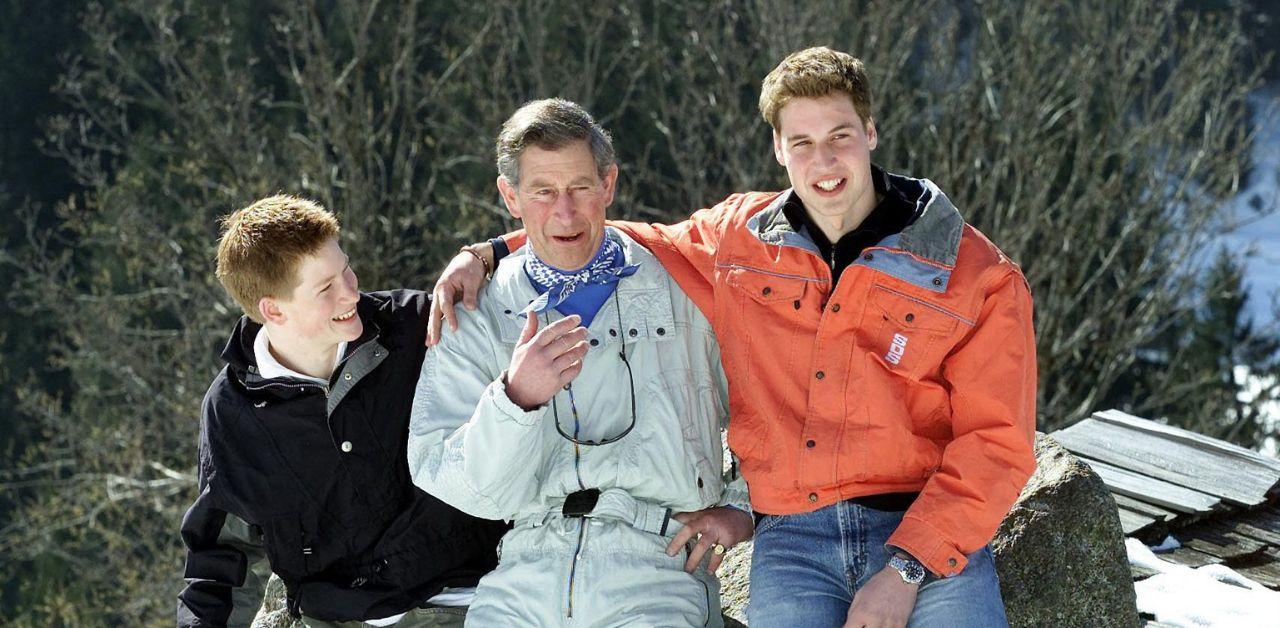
(805, 569)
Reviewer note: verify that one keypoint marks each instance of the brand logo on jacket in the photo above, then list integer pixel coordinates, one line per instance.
(897, 349)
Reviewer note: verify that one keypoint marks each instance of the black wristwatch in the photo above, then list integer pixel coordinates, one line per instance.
(910, 569)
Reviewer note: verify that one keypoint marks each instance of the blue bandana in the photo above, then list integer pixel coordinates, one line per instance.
(581, 291)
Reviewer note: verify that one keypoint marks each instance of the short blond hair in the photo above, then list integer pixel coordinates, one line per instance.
(263, 245)
(815, 73)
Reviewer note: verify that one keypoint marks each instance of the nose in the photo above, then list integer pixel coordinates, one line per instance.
(564, 207)
(826, 154)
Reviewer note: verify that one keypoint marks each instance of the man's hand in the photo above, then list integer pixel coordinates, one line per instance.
(885, 601)
(721, 524)
(545, 361)
(461, 279)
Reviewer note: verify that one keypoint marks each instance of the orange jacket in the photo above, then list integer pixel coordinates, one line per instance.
(916, 372)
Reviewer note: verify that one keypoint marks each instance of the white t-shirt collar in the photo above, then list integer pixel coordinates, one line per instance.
(271, 368)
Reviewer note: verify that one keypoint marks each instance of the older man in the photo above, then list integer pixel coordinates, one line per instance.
(584, 400)
(882, 368)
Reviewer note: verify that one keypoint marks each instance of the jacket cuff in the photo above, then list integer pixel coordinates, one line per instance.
(734, 497)
(917, 537)
(496, 394)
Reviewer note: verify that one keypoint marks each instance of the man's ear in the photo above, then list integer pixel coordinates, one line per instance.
(610, 184)
(508, 193)
(777, 149)
(873, 137)
(269, 310)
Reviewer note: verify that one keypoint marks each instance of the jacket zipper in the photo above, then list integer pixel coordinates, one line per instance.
(577, 555)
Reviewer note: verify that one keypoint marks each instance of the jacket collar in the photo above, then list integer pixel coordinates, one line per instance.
(923, 254)
(643, 300)
(239, 352)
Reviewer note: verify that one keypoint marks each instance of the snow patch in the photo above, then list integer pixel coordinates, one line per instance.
(1212, 595)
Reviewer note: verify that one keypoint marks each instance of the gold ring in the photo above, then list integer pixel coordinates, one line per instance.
(717, 549)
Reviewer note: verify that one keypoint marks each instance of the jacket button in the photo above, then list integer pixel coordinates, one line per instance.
(835, 308)
(346, 376)
(613, 332)
(820, 375)
(910, 317)
(813, 497)
(951, 562)
(662, 332)
(699, 482)
(346, 446)
(595, 343)
(796, 304)
(810, 443)
(868, 257)
(632, 333)
(766, 291)
(937, 281)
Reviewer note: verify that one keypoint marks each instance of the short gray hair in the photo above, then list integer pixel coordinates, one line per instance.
(550, 124)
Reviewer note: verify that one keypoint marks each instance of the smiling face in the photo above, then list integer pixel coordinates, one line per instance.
(826, 149)
(321, 311)
(561, 199)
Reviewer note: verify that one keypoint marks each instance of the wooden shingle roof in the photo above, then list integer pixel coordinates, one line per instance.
(1219, 500)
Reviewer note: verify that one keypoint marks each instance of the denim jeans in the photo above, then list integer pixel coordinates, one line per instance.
(805, 569)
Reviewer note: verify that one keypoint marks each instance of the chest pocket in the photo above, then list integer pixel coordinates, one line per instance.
(766, 289)
(912, 334)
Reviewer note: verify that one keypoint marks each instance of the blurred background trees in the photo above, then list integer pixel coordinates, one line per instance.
(1095, 142)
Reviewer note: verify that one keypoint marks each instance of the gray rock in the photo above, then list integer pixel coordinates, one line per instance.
(1060, 551)
(734, 574)
(274, 613)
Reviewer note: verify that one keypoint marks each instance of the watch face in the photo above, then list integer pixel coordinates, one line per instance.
(912, 572)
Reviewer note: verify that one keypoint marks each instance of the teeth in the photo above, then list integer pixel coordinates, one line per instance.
(829, 184)
(346, 316)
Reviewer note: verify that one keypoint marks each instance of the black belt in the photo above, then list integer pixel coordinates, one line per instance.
(886, 502)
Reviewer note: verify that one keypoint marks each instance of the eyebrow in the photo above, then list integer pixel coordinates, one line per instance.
(840, 127)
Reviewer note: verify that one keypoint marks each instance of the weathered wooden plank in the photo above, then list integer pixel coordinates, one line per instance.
(1152, 490)
(1187, 436)
(1168, 460)
(1151, 510)
(1238, 526)
(1266, 574)
(1265, 518)
(1131, 521)
(1187, 556)
(1141, 573)
(1225, 545)
(1264, 567)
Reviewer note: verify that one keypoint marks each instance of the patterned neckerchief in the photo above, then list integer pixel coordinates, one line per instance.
(607, 267)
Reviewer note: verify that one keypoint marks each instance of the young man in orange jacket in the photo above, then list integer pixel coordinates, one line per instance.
(881, 365)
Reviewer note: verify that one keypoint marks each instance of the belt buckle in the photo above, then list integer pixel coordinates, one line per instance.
(580, 503)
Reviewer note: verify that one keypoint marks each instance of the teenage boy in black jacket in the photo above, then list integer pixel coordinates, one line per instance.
(302, 445)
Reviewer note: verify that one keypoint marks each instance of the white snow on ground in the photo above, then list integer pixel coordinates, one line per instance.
(1212, 595)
